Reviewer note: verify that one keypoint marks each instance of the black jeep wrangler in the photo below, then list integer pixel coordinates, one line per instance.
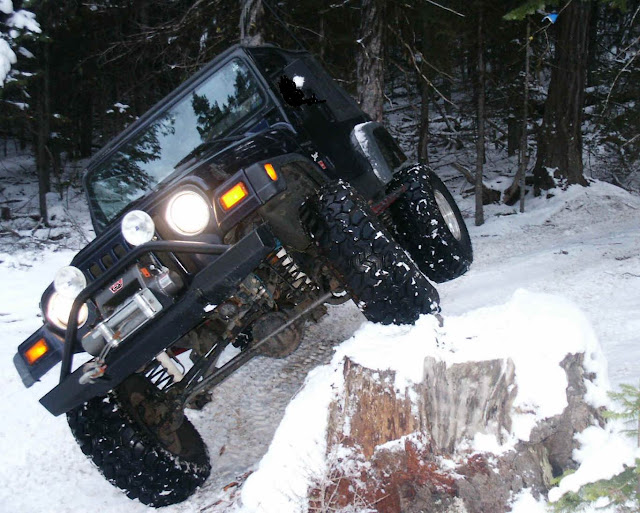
(229, 214)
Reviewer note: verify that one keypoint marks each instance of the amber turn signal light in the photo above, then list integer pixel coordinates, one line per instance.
(234, 195)
(36, 351)
(271, 172)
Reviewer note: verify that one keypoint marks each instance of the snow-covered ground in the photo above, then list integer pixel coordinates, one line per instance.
(567, 271)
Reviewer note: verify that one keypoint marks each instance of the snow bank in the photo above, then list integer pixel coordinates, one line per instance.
(297, 452)
(604, 453)
(535, 330)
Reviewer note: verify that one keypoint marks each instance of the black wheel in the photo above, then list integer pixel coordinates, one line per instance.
(380, 277)
(157, 469)
(428, 224)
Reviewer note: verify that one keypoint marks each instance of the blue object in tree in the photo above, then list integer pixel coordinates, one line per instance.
(552, 17)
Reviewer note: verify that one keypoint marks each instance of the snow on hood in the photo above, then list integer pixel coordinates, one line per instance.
(535, 330)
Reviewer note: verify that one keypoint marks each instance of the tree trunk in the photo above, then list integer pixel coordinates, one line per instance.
(369, 58)
(423, 140)
(480, 118)
(518, 185)
(513, 136)
(560, 139)
(42, 135)
(323, 41)
(86, 124)
(251, 23)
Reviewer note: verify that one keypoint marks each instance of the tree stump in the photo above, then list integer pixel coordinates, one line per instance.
(411, 450)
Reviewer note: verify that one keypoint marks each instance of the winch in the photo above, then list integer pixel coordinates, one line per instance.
(130, 302)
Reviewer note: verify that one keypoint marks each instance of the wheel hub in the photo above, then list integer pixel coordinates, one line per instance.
(448, 214)
(152, 411)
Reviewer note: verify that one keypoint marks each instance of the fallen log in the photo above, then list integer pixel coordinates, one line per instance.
(488, 195)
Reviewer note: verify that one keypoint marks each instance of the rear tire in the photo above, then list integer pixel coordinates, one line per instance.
(380, 277)
(133, 458)
(428, 224)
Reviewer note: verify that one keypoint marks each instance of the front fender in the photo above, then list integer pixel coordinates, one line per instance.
(48, 347)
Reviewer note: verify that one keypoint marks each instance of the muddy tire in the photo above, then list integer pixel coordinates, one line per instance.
(132, 458)
(378, 274)
(428, 224)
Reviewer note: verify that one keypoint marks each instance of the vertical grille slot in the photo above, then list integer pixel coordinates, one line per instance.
(119, 251)
(99, 266)
(107, 261)
(95, 271)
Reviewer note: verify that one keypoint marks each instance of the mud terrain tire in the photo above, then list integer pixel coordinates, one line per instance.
(133, 459)
(380, 277)
(441, 252)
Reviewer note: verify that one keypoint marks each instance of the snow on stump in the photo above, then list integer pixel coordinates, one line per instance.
(415, 449)
(477, 415)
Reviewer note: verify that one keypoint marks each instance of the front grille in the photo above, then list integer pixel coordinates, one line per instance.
(98, 267)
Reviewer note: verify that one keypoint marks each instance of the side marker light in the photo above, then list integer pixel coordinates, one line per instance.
(271, 171)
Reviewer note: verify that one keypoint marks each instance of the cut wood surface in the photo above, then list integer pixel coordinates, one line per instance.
(412, 449)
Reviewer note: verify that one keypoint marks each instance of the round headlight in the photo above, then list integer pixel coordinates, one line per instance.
(137, 227)
(59, 308)
(69, 282)
(188, 213)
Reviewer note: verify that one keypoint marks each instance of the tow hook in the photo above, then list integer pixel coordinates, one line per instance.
(92, 370)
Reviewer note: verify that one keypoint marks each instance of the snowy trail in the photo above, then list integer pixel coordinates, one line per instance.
(583, 244)
(594, 261)
(239, 423)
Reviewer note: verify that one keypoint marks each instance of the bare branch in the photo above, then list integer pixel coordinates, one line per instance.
(615, 80)
(445, 8)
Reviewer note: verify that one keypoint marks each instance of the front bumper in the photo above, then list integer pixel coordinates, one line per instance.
(211, 285)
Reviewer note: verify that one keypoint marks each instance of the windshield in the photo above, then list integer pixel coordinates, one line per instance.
(211, 111)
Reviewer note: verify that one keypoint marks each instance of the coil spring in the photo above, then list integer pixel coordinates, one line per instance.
(283, 265)
(160, 377)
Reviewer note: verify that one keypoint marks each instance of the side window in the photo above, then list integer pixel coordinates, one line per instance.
(272, 63)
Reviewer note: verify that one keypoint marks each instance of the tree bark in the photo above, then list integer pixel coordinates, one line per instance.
(518, 185)
(513, 136)
(560, 139)
(480, 119)
(251, 23)
(42, 135)
(395, 440)
(86, 124)
(369, 58)
(423, 140)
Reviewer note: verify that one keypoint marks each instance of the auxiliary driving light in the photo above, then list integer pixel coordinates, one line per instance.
(69, 282)
(188, 213)
(137, 227)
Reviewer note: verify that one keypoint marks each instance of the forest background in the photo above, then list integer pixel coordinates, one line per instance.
(557, 93)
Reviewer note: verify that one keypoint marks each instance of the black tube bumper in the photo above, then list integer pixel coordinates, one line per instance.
(212, 285)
